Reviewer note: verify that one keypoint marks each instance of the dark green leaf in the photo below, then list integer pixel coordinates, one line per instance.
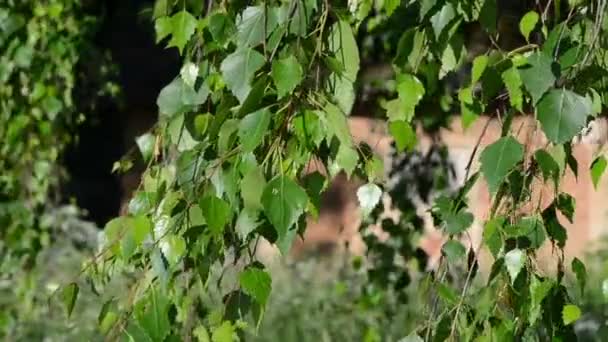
(498, 159)
(566, 204)
(548, 166)
(453, 251)
(537, 75)
(217, 213)
(284, 201)
(555, 230)
(581, 273)
(562, 114)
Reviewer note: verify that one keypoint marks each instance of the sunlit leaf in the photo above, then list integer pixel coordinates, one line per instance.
(369, 197)
(570, 314)
(527, 23)
(597, 170)
(514, 261)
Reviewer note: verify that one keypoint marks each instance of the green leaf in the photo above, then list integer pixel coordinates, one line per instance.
(286, 74)
(253, 128)
(135, 230)
(250, 25)
(488, 14)
(566, 204)
(458, 223)
(374, 167)
(246, 223)
(491, 235)
(528, 23)
(410, 91)
(562, 114)
(513, 83)
(178, 97)
(538, 291)
(596, 102)
(441, 19)
(498, 159)
(252, 187)
(346, 160)
(581, 274)
(555, 230)
(152, 315)
(216, 212)
(308, 128)
(238, 70)
(221, 27)
(404, 135)
(453, 251)
(256, 283)
(537, 75)
(479, 66)
(470, 108)
(69, 295)
(534, 230)
(447, 293)
(369, 197)
(548, 166)
(597, 170)
(183, 25)
(224, 333)
(344, 46)
(146, 143)
(337, 124)
(515, 260)
(570, 314)
(284, 201)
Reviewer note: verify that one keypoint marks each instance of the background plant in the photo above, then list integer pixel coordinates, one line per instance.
(43, 45)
